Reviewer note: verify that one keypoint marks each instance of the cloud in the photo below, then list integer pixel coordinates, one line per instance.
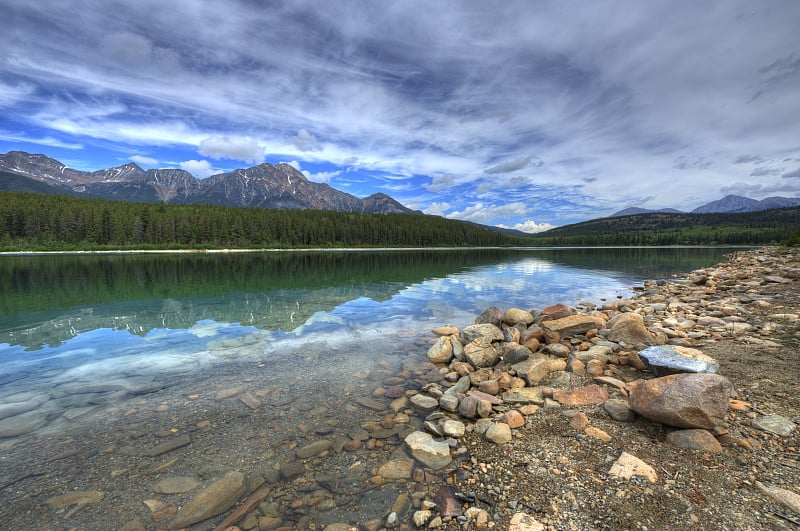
(759, 191)
(795, 174)
(745, 159)
(686, 163)
(132, 51)
(437, 208)
(148, 161)
(236, 148)
(10, 95)
(198, 168)
(485, 213)
(305, 141)
(514, 165)
(43, 141)
(530, 226)
(763, 170)
(440, 183)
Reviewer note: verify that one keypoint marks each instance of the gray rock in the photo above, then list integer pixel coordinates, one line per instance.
(175, 485)
(312, 449)
(461, 386)
(670, 359)
(22, 424)
(424, 402)
(211, 501)
(481, 353)
(499, 433)
(526, 395)
(619, 410)
(448, 402)
(17, 408)
(774, 424)
(432, 454)
(487, 331)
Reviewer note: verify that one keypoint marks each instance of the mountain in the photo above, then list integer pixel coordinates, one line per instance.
(730, 204)
(632, 211)
(263, 186)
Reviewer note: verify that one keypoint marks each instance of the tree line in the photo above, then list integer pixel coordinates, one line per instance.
(59, 222)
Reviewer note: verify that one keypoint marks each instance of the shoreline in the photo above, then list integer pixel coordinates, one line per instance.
(553, 469)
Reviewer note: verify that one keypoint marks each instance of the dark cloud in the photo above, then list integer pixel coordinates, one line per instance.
(686, 163)
(763, 170)
(745, 159)
(792, 174)
(514, 165)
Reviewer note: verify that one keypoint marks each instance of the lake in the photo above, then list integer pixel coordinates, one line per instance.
(248, 354)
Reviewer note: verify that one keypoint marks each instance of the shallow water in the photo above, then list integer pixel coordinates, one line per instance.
(123, 351)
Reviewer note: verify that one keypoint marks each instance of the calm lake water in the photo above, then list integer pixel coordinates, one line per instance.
(105, 357)
(73, 319)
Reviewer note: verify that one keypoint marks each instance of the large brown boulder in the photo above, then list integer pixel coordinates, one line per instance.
(685, 400)
(629, 328)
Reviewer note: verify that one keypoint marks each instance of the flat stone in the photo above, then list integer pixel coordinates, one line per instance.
(698, 440)
(524, 522)
(312, 449)
(597, 433)
(396, 469)
(231, 392)
(424, 402)
(628, 328)
(525, 395)
(619, 410)
(17, 408)
(489, 332)
(575, 324)
(75, 498)
(168, 446)
(454, 428)
(447, 330)
(250, 401)
(175, 485)
(671, 358)
(433, 454)
(211, 501)
(775, 424)
(627, 466)
(787, 497)
(370, 403)
(533, 370)
(590, 395)
(446, 502)
(22, 424)
(495, 401)
(448, 402)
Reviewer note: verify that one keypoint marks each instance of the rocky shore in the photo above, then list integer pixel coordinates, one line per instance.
(674, 408)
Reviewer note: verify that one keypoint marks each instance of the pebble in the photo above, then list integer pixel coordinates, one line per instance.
(774, 424)
(698, 440)
(213, 500)
(627, 466)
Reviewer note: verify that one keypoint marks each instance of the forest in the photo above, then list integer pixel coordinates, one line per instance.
(34, 221)
(31, 221)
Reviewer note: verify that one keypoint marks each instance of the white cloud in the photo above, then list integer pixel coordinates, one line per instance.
(514, 165)
(198, 168)
(10, 95)
(437, 208)
(530, 226)
(440, 183)
(305, 141)
(486, 213)
(146, 161)
(43, 141)
(236, 148)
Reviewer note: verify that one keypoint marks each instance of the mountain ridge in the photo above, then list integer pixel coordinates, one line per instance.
(265, 185)
(730, 204)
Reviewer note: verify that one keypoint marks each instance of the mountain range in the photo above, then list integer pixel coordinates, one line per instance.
(730, 204)
(265, 186)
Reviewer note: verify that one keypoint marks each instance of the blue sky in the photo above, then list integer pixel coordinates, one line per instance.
(524, 114)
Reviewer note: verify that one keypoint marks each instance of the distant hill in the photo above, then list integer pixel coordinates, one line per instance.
(265, 186)
(728, 204)
(744, 228)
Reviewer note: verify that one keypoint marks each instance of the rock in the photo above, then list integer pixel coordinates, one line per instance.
(499, 433)
(448, 402)
(597, 433)
(514, 419)
(590, 395)
(534, 370)
(489, 387)
(441, 351)
(448, 330)
(786, 497)
(231, 392)
(513, 316)
(480, 352)
(14, 426)
(699, 440)
(526, 395)
(774, 424)
(574, 324)
(515, 353)
(424, 402)
(17, 408)
(558, 350)
(524, 522)
(468, 407)
(168, 446)
(629, 328)
(292, 469)
(312, 449)
(685, 400)
(669, 359)
(396, 469)
(175, 485)
(460, 387)
(422, 517)
(596, 352)
(446, 502)
(250, 401)
(211, 501)
(432, 454)
(489, 332)
(619, 410)
(491, 315)
(75, 498)
(454, 428)
(627, 466)
(338, 526)
(558, 311)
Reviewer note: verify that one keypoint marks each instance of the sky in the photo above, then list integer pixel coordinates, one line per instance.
(523, 114)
